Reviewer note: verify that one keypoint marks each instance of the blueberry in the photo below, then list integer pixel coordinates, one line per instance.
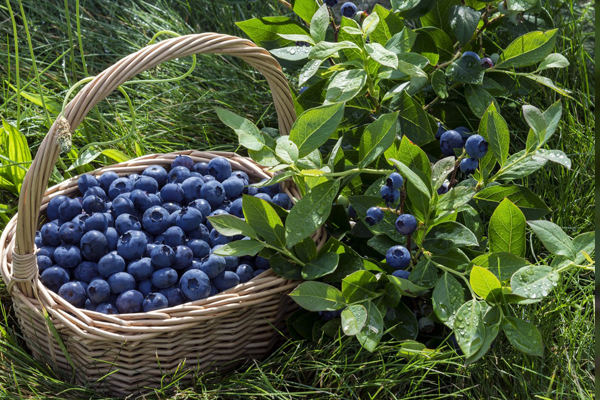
(231, 262)
(157, 172)
(262, 263)
(486, 63)
(233, 187)
(111, 264)
(89, 305)
(155, 200)
(192, 188)
(183, 161)
(96, 222)
(163, 278)
(80, 220)
(74, 293)
(120, 186)
(133, 177)
(463, 130)
(251, 190)
(179, 174)
(258, 272)
(112, 238)
(98, 291)
(129, 302)
(171, 207)
(145, 287)
(146, 184)
(121, 282)
(398, 257)
(69, 209)
(201, 232)
(188, 218)
(94, 245)
(67, 256)
(173, 295)
(195, 285)
(38, 241)
(86, 272)
(394, 181)
(92, 204)
(106, 179)
(213, 290)
(208, 178)
(48, 251)
(389, 195)
(282, 200)
(127, 222)
(374, 216)
(242, 176)
(50, 234)
(53, 205)
(43, 263)
(199, 247)
(54, 277)
(476, 146)
(331, 3)
(154, 301)
(226, 280)
(122, 205)
(132, 245)
(140, 269)
(470, 54)
(201, 168)
(244, 272)
(264, 196)
(236, 208)
(162, 256)
(348, 10)
(220, 168)
(156, 220)
(85, 182)
(174, 236)
(215, 238)
(271, 190)
(469, 165)
(107, 308)
(141, 200)
(401, 273)
(213, 265)
(183, 257)
(172, 192)
(449, 141)
(444, 188)
(213, 192)
(440, 131)
(406, 224)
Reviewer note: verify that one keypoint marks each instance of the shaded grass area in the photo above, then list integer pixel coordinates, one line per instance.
(179, 115)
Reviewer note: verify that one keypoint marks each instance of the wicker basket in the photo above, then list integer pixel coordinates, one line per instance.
(134, 352)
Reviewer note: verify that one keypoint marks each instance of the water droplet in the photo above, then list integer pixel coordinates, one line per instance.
(533, 295)
(292, 51)
(530, 333)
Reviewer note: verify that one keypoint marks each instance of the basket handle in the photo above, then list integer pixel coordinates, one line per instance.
(24, 267)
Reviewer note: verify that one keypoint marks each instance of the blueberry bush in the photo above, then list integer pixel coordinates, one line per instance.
(427, 226)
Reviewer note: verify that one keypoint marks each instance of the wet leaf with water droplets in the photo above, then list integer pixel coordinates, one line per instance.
(523, 335)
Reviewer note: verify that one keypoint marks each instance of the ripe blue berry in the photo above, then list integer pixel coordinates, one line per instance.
(163, 278)
(183, 161)
(132, 245)
(107, 308)
(331, 3)
(374, 216)
(236, 208)
(172, 192)
(213, 192)
(191, 188)
(440, 131)
(162, 256)
(200, 248)
(96, 222)
(476, 146)
(174, 236)
(449, 141)
(173, 295)
(195, 285)
(282, 200)
(398, 257)
(213, 265)
(38, 241)
(389, 195)
(348, 10)
(67, 256)
(69, 209)
(401, 273)
(271, 190)
(406, 224)
(54, 277)
(245, 273)
(394, 181)
(96, 191)
(121, 282)
(203, 206)
(122, 205)
(53, 205)
(158, 173)
(141, 200)
(233, 187)
(258, 272)
(486, 62)
(146, 184)
(444, 188)
(156, 220)
(120, 186)
(98, 291)
(183, 257)
(215, 238)
(141, 269)
(154, 301)
(112, 237)
(85, 182)
(127, 222)
(47, 251)
(86, 272)
(220, 168)
(188, 218)
(43, 263)
(129, 302)
(74, 293)
(92, 204)
(201, 168)
(179, 174)
(226, 280)
(50, 234)
(469, 165)
(111, 264)
(145, 287)
(470, 54)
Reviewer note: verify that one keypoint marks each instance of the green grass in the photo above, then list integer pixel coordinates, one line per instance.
(179, 115)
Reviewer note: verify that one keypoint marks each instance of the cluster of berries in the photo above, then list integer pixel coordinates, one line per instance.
(143, 242)
(456, 139)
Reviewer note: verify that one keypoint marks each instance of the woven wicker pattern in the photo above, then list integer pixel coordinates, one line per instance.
(234, 324)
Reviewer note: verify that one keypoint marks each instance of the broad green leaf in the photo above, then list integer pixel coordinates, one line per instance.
(438, 14)
(379, 53)
(491, 332)
(548, 83)
(466, 70)
(438, 83)
(17, 150)
(313, 127)
(414, 157)
(352, 30)
(291, 53)
(230, 225)
(318, 296)
(371, 333)
(350, 260)
(438, 47)
(285, 267)
(403, 5)
(555, 156)
(454, 232)
(320, 266)
(306, 250)
(354, 318)
(523, 335)
(552, 117)
(410, 176)
(297, 38)
(454, 259)
(376, 138)
(554, 60)
(84, 158)
(275, 179)
(534, 281)
(483, 281)
(359, 286)
(498, 135)
(266, 30)
(402, 41)
(370, 23)
(240, 248)
(310, 212)
(319, 24)
(248, 134)
(586, 242)
(389, 24)
(455, 198)
(286, 150)
(401, 323)
(323, 50)
(441, 170)
(532, 6)
(507, 229)
(345, 85)
(116, 155)
(264, 220)
(535, 119)
(520, 165)
(448, 296)
(308, 70)
(478, 99)
(553, 238)
(415, 123)
(305, 9)
(528, 49)
(51, 105)
(469, 327)
(463, 22)
(425, 274)
(521, 196)
(503, 265)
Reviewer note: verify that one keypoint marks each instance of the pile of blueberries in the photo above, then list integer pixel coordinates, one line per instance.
(143, 242)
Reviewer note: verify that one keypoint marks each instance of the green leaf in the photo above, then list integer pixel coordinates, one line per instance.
(441, 170)
(425, 274)
(314, 126)
(308, 70)
(371, 333)
(469, 328)
(455, 198)
(532, 6)
(548, 83)
(305, 9)
(415, 123)
(291, 53)
(320, 266)
(230, 225)
(402, 41)
(478, 99)
(318, 296)
(116, 155)
(534, 281)
(448, 296)
(466, 70)
(266, 30)
(523, 335)
(310, 212)
(345, 85)
(50, 104)
(410, 176)
(359, 286)
(17, 150)
(386, 227)
(275, 179)
(354, 318)
(483, 281)
(285, 267)
(463, 22)
(520, 165)
(265, 221)
(503, 265)
(414, 157)
(554, 60)
(286, 150)
(535, 119)
(380, 54)
(556, 156)
(527, 201)
(454, 232)
(248, 134)
(84, 158)
(585, 242)
(323, 50)
(297, 38)
(319, 24)
(438, 15)
(492, 328)
(350, 260)
(528, 49)
(497, 135)
(507, 229)
(306, 250)
(454, 259)
(401, 323)
(389, 24)
(553, 238)
(376, 138)
(240, 248)
(438, 83)
(370, 23)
